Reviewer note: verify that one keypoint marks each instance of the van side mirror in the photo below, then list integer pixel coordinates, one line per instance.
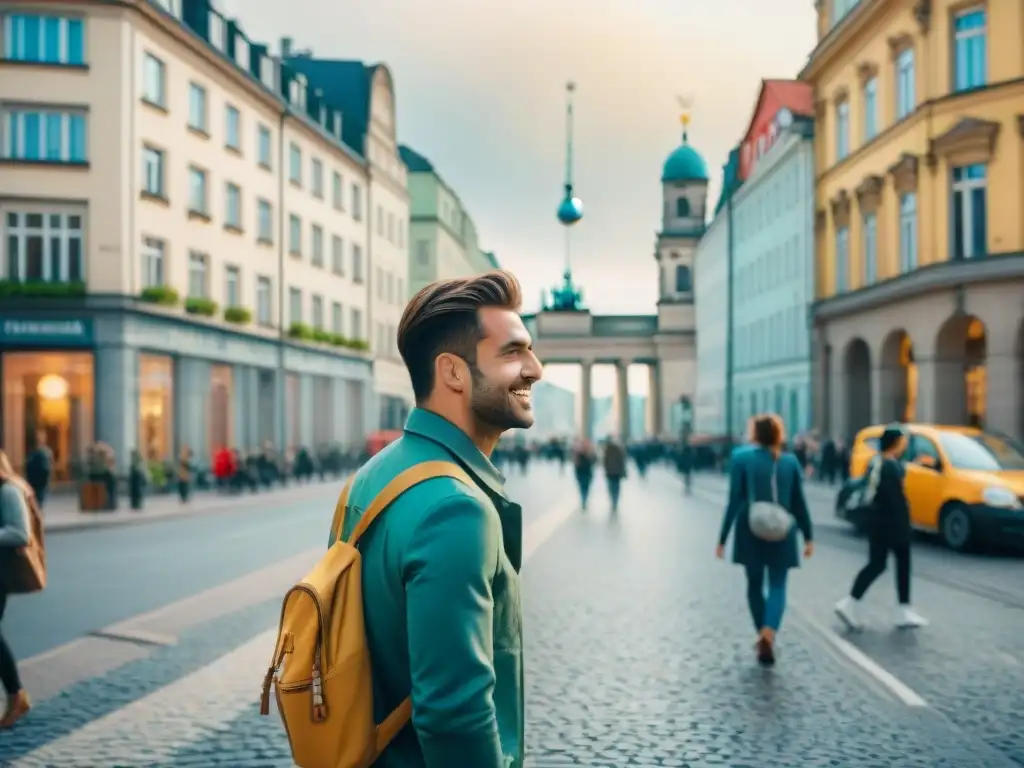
(927, 461)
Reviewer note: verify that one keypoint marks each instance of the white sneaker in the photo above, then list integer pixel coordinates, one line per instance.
(848, 610)
(910, 619)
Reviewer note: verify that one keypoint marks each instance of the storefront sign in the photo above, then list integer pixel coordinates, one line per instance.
(37, 333)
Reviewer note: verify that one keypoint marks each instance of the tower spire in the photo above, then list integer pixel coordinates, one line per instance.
(570, 211)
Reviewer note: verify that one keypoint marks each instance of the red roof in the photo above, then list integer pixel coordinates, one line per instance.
(794, 95)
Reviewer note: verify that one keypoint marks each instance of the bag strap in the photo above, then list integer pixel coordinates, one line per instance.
(414, 475)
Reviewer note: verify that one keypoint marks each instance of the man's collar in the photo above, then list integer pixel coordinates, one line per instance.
(434, 427)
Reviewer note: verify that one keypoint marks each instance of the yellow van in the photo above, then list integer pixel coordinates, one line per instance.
(966, 485)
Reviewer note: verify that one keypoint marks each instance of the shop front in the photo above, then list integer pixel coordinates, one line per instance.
(48, 390)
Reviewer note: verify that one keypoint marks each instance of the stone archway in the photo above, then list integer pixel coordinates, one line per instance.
(961, 383)
(857, 386)
(898, 381)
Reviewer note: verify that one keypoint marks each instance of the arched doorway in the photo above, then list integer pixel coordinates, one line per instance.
(899, 378)
(961, 385)
(857, 379)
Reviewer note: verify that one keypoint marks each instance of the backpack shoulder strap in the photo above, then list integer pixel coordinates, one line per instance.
(338, 523)
(414, 475)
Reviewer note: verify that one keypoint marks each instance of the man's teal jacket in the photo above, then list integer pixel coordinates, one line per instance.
(442, 603)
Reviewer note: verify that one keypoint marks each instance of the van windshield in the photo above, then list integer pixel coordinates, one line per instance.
(985, 452)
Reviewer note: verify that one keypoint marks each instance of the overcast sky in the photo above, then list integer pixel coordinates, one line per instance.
(480, 91)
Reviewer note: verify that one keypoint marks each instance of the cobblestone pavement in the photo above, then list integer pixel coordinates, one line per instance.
(638, 654)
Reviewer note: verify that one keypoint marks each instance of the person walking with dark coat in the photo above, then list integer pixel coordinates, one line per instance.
(614, 470)
(888, 531)
(762, 472)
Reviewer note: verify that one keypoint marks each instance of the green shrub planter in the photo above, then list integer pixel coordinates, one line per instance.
(40, 288)
(163, 295)
(322, 336)
(200, 305)
(358, 344)
(300, 331)
(238, 315)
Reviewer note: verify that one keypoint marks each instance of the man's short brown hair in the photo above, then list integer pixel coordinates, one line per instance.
(443, 317)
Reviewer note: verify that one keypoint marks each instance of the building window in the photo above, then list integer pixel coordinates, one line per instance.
(45, 247)
(264, 214)
(197, 283)
(684, 283)
(840, 8)
(153, 255)
(357, 263)
(294, 235)
(871, 109)
(401, 233)
(380, 221)
(908, 232)
(294, 305)
(906, 90)
(232, 128)
(232, 287)
(263, 146)
(318, 312)
(45, 136)
(337, 255)
(842, 259)
(264, 301)
(682, 207)
(153, 172)
(423, 252)
(317, 258)
(391, 227)
(197, 202)
(336, 315)
(357, 202)
(233, 206)
(842, 130)
(356, 328)
(295, 164)
(154, 81)
(318, 179)
(870, 248)
(197, 107)
(337, 187)
(970, 66)
(44, 39)
(969, 215)
(401, 290)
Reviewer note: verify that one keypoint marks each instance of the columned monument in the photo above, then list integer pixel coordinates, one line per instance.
(565, 331)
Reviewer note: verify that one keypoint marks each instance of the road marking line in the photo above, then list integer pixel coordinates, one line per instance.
(172, 717)
(852, 653)
(203, 702)
(192, 604)
(544, 528)
(137, 636)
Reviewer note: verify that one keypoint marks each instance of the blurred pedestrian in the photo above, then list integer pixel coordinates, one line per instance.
(614, 469)
(19, 524)
(185, 470)
(888, 528)
(584, 457)
(138, 479)
(761, 472)
(39, 468)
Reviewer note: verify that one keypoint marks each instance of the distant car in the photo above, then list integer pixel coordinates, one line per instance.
(964, 484)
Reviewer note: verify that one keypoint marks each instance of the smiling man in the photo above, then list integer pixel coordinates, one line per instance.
(441, 565)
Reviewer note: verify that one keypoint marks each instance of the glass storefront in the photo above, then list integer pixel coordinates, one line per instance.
(293, 410)
(156, 407)
(49, 394)
(221, 408)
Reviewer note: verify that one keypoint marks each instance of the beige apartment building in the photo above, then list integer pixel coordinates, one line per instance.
(188, 238)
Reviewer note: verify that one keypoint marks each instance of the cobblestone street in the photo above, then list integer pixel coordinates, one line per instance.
(639, 647)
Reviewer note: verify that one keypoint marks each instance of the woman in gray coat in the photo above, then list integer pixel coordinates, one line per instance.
(14, 532)
(763, 472)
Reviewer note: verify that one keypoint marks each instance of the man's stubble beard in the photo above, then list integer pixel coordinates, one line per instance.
(491, 405)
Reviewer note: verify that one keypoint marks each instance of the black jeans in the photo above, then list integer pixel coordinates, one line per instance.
(614, 488)
(9, 676)
(878, 556)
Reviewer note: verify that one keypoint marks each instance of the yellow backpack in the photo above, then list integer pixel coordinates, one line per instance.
(321, 664)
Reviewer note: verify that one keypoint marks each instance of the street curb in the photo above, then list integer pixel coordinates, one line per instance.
(101, 521)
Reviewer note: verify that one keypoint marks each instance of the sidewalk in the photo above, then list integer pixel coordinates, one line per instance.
(61, 512)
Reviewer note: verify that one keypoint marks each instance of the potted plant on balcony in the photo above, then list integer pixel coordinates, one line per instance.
(163, 295)
(237, 315)
(200, 305)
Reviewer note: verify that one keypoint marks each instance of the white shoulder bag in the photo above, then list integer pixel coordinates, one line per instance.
(769, 520)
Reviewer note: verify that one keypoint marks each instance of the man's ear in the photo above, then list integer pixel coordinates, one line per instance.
(450, 372)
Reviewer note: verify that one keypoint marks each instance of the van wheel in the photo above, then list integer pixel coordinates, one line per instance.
(956, 527)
